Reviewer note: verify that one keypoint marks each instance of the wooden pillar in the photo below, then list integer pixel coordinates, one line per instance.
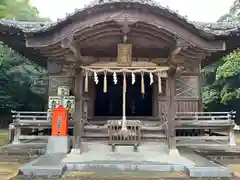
(78, 125)
(17, 134)
(171, 112)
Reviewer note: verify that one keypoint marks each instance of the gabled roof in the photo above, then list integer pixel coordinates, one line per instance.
(205, 29)
(13, 33)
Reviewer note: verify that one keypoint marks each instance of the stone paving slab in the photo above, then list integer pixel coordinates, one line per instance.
(49, 164)
(203, 167)
(152, 157)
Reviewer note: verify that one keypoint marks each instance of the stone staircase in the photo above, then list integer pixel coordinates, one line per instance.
(151, 130)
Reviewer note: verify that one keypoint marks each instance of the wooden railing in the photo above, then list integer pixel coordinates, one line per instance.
(31, 122)
(212, 126)
(208, 123)
(29, 125)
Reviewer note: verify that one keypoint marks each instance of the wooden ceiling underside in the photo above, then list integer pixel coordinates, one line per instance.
(152, 37)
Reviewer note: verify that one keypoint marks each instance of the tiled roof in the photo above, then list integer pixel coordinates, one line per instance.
(210, 28)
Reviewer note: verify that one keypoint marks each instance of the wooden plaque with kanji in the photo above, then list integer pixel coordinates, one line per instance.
(124, 55)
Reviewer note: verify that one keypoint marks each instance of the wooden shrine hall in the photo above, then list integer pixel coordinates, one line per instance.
(128, 64)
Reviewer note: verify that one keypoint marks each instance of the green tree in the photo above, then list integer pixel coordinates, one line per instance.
(18, 80)
(221, 89)
(233, 14)
(19, 77)
(11, 8)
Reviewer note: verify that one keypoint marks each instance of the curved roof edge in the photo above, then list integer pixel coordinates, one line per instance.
(203, 29)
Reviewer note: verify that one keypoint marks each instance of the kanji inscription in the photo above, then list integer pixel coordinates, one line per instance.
(124, 55)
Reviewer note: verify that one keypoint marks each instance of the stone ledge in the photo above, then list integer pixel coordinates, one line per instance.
(209, 172)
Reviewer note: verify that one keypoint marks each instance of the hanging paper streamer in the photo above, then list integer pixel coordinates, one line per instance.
(115, 78)
(151, 78)
(133, 79)
(159, 83)
(96, 78)
(86, 82)
(142, 83)
(105, 82)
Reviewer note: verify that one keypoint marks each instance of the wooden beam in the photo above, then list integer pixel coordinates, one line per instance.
(171, 109)
(78, 92)
(180, 46)
(75, 52)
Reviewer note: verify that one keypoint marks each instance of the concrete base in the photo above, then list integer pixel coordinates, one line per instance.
(218, 171)
(74, 152)
(49, 164)
(58, 144)
(232, 139)
(150, 157)
(173, 152)
(46, 165)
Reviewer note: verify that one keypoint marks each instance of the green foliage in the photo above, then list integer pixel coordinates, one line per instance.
(19, 77)
(228, 77)
(11, 8)
(221, 89)
(233, 15)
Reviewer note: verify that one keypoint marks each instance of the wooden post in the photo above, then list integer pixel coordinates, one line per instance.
(78, 92)
(17, 133)
(171, 113)
(200, 83)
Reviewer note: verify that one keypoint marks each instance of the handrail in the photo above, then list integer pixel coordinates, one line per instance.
(194, 113)
(20, 116)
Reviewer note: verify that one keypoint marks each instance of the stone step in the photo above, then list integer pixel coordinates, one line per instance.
(105, 128)
(105, 135)
(123, 175)
(148, 131)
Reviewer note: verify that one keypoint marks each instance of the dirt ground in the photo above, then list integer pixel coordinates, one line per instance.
(7, 169)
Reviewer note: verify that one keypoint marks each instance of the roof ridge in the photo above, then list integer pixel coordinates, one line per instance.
(214, 28)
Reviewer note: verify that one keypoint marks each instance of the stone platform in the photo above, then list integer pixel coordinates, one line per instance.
(150, 157)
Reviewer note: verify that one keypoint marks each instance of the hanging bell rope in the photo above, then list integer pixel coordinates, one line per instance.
(159, 83)
(124, 83)
(142, 83)
(86, 82)
(105, 82)
(124, 129)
